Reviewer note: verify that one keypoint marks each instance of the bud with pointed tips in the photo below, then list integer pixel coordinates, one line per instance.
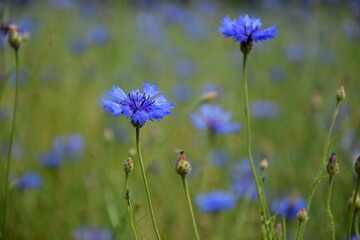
(264, 164)
(357, 166)
(128, 165)
(302, 215)
(332, 166)
(340, 94)
(183, 166)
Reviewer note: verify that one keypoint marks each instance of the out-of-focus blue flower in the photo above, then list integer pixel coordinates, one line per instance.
(213, 118)
(243, 180)
(98, 34)
(23, 77)
(219, 157)
(215, 201)
(63, 3)
(244, 29)
(352, 237)
(71, 146)
(264, 109)
(92, 233)
(2, 41)
(327, 56)
(195, 28)
(50, 160)
(151, 30)
(139, 106)
(294, 52)
(171, 13)
(27, 24)
(77, 46)
(351, 29)
(16, 153)
(182, 92)
(29, 180)
(277, 74)
(185, 68)
(289, 206)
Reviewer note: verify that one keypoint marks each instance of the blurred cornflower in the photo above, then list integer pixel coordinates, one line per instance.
(71, 146)
(242, 180)
(27, 24)
(277, 74)
(92, 233)
(77, 46)
(139, 106)
(171, 13)
(98, 34)
(16, 150)
(151, 30)
(23, 77)
(215, 201)
(289, 206)
(213, 118)
(246, 29)
(185, 68)
(264, 109)
(351, 29)
(294, 52)
(50, 160)
(29, 180)
(219, 157)
(182, 92)
(195, 28)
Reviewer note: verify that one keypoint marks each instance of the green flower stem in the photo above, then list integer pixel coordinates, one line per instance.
(6, 187)
(145, 183)
(284, 227)
(190, 207)
(298, 230)
(352, 210)
(357, 226)
(254, 171)
(128, 204)
(321, 169)
(328, 208)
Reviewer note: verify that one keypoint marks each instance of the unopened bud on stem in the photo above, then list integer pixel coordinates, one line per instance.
(183, 166)
(128, 165)
(209, 96)
(340, 94)
(264, 164)
(332, 166)
(302, 215)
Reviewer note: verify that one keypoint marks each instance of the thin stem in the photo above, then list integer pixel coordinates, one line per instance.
(357, 226)
(298, 230)
(328, 208)
(254, 171)
(145, 183)
(321, 169)
(128, 204)
(352, 210)
(284, 227)
(190, 207)
(6, 187)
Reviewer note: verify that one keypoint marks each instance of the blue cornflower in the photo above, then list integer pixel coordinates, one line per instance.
(215, 201)
(98, 34)
(77, 46)
(182, 92)
(289, 206)
(212, 117)
(264, 109)
(29, 180)
(246, 29)
(243, 181)
(92, 233)
(50, 160)
(71, 146)
(139, 106)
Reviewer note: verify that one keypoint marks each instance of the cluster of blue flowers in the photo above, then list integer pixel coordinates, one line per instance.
(215, 201)
(92, 233)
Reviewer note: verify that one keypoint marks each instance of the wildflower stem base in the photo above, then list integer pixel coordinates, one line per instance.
(328, 208)
(128, 205)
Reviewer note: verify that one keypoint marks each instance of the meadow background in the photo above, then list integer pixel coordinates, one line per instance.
(79, 49)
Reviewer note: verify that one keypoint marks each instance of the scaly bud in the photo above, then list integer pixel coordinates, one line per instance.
(357, 166)
(183, 166)
(263, 164)
(278, 232)
(246, 47)
(340, 94)
(302, 215)
(332, 166)
(128, 165)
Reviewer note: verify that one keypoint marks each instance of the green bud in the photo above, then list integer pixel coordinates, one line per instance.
(14, 39)
(246, 47)
(183, 166)
(128, 165)
(264, 164)
(357, 166)
(332, 166)
(340, 94)
(302, 215)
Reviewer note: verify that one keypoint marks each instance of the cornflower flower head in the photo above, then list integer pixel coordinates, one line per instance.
(29, 180)
(246, 30)
(71, 146)
(92, 233)
(242, 180)
(289, 206)
(50, 159)
(215, 201)
(139, 106)
(212, 117)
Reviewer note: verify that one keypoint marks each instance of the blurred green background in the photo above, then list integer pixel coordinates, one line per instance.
(79, 49)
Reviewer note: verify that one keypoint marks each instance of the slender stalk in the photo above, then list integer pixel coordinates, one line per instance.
(357, 226)
(298, 230)
(190, 207)
(321, 169)
(128, 204)
(328, 208)
(6, 188)
(352, 210)
(284, 227)
(254, 171)
(145, 183)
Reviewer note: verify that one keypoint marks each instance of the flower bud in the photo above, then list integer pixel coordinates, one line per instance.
(340, 94)
(209, 96)
(278, 232)
(357, 166)
(183, 166)
(246, 47)
(14, 38)
(357, 202)
(302, 215)
(263, 164)
(332, 166)
(128, 165)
